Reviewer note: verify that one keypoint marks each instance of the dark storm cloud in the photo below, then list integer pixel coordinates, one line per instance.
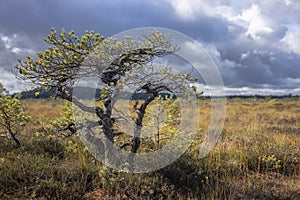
(34, 18)
(261, 65)
(205, 29)
(241, 58)
(107, 17)
(31, 20)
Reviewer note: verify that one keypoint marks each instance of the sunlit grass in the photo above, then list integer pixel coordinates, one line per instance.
(257, 157)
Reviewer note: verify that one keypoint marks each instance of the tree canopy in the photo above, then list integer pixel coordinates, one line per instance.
(12, 117)
(2, 90)
(118, 64)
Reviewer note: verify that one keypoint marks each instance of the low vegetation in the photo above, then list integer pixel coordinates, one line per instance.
(256, 157)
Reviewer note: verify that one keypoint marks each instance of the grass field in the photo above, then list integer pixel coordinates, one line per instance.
(257, 157)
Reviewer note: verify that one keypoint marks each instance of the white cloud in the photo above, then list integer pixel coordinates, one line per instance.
(6, 40)
(16, 50)
(260, 20)
(11, 83)
(11, 43)
(190, 9)
(244, 55)
(257, 24)
(291, 41)
(250, 17)
(260, 91)
(268, 90)
(288, 2)
(14, 46)
(187, 9)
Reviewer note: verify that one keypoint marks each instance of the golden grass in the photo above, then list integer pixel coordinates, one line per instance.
(257, 157)
(42, 108)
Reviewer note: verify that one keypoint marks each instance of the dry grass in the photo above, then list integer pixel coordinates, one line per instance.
(256, 157)
(261, 138)
(42, 107)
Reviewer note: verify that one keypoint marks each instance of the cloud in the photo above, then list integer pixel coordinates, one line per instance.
(263, 90)
(257, 24)
(11, 48)
(291, 41)
(259, 91)
(254, 43)
(11, 83)
(288, 2)
(188, 10)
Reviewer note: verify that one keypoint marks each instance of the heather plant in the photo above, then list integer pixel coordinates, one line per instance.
(12, 117)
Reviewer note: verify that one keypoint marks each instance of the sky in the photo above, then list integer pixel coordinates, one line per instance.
(254, 43)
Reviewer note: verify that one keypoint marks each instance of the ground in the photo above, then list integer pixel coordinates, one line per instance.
(256, 157)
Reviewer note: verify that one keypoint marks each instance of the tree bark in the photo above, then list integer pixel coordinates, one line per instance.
(15, 139)
(137, 130)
